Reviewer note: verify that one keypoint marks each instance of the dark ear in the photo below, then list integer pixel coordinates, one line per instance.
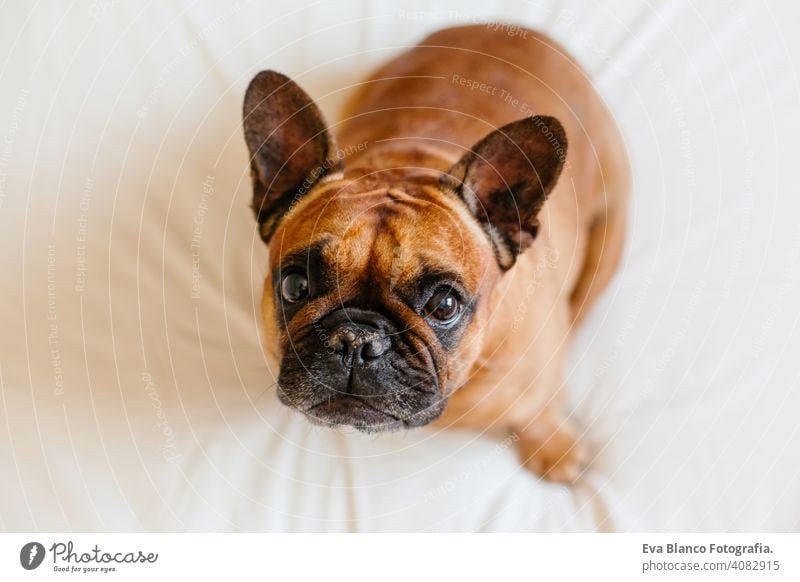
(505, 179)
(289, 145)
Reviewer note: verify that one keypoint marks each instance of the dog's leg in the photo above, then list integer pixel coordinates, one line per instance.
(548, 442)
(528, 401)
(549, 446)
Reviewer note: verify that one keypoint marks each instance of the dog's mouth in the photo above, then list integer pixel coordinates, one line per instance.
(369, 414)
(345, 410)
(342, 376)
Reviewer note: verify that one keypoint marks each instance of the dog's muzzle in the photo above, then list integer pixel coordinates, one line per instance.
(355, 368)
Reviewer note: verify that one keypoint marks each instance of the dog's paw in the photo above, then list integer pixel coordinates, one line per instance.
(552, 451)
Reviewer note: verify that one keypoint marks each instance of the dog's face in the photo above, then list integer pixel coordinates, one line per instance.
(380, 279)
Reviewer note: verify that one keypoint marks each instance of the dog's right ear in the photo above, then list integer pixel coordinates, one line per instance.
(505, 179)
(289, 144)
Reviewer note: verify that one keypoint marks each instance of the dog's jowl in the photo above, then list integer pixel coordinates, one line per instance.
(430, 255)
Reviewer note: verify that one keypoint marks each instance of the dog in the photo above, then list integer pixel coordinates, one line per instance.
(430, 255)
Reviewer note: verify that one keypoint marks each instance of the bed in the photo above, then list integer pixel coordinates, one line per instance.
(134, 395)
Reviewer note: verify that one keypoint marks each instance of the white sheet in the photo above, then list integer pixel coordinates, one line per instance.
(128, 402)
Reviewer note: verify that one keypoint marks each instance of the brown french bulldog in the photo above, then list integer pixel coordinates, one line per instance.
(432, 265)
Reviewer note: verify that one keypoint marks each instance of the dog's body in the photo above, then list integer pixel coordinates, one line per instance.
(426, 195)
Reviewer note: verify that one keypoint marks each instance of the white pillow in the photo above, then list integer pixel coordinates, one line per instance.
(134, 391)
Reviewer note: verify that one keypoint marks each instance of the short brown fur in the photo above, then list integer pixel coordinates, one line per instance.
(507, 372)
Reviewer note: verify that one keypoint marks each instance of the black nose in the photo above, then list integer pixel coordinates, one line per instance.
(359, 344)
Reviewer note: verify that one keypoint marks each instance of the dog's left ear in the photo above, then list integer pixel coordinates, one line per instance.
(505, 179)
(289, 145)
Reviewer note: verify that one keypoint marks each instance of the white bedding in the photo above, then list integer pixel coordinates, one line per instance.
(133, 392)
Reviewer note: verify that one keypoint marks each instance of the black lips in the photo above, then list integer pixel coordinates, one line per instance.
(356, 368)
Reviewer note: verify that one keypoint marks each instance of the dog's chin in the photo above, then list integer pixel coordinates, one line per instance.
(348, 411)
(353, 412)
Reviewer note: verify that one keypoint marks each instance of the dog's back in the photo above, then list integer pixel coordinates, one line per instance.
(430, 104)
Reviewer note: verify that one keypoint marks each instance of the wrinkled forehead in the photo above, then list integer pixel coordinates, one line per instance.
(395, 231)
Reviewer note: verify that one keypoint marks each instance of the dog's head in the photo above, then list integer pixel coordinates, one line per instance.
(379, 279)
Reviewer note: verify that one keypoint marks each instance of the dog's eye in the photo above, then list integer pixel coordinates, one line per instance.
(294, 287)
(443, 306)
